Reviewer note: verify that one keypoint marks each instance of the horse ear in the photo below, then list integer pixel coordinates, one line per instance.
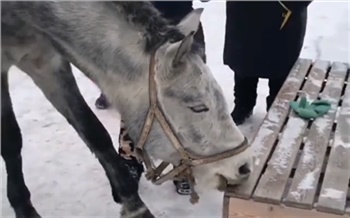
(191, 22)
(181, 48)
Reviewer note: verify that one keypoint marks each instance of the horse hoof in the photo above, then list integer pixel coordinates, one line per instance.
(27, 213)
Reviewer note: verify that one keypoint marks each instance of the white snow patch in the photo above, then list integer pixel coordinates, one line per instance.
(274, 115)
(257, 161)
(346, 110)
(332, 193)
(339, 142)
(295, 128)
(293, 79)
(346, 103)
(305, 184)
(322, 124)
(262, 136)
(296, 194)
(314, 80)
(308, 181)
(264, 132)
(338, 113)
(260, 140)
(309, 154)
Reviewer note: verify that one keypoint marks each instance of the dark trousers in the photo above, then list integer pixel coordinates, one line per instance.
(245, 91)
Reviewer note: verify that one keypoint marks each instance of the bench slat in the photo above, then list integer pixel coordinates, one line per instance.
(303, 189)
(268, 132)
(333, 194)
(272, 183)
(240, 208)
(225, 208)
(347, 210)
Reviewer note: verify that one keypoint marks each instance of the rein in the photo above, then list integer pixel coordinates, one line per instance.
(188, 159)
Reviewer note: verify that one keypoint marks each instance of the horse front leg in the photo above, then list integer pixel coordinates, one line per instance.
(58, 84)
(11, 145)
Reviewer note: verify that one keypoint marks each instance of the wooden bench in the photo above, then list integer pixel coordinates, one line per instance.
(301, 168)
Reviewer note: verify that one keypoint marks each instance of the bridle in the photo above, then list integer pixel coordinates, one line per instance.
(188, 159)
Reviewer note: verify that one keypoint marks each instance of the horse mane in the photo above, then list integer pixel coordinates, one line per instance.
(157, 29)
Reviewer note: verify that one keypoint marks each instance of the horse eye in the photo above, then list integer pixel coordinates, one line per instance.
(199, 108)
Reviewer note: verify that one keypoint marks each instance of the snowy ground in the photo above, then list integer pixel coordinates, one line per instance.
(67, 181)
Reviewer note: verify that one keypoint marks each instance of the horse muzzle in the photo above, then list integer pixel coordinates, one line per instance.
(243, 176)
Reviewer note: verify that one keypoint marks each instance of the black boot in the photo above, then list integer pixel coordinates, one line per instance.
(241, 114)
(182, 187)
(245, 98)
(102, 102)
(274, 86)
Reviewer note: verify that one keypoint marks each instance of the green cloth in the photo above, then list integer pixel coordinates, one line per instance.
(310, 110)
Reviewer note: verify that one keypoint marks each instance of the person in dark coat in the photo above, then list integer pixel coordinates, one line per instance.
(174, 11)
(262, 40)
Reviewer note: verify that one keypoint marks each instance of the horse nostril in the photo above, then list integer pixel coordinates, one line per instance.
(244, 169)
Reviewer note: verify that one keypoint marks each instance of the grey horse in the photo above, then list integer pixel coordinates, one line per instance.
(112, 44)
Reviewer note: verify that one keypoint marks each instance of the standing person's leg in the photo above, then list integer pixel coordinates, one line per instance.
(275, 85)
(245, 93)
(242, 51)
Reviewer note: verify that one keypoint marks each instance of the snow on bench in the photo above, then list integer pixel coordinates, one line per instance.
(301, 168)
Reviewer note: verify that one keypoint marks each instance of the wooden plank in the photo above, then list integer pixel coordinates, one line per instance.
(336, 181)
(225, 208)
(239, 208)
(268, 132)
(272, 183)
(303, 190)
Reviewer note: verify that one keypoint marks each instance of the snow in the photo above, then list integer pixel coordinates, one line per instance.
(66, 180)
(260, 139)
(325, 122)
(305, 184)
(308, 160)
(342, 141)
(309, 153)
(342, 137)
(267, 129)
(332, 193)
(284, 150)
